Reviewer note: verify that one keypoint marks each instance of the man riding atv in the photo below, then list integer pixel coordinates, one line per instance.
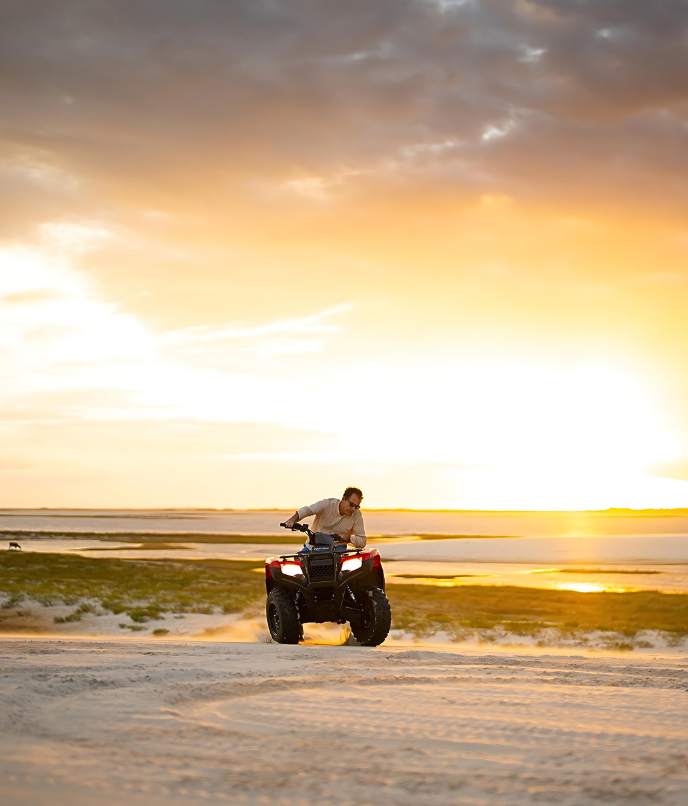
(327, 581)
(342, 519)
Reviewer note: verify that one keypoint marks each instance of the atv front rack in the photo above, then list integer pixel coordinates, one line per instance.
(299, 554)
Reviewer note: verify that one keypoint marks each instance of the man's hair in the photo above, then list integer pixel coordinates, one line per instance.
(352, 491)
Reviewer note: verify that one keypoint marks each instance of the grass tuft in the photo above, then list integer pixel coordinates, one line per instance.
(74, 616)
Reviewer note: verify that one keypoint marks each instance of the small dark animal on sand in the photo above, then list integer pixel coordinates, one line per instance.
(15, 546)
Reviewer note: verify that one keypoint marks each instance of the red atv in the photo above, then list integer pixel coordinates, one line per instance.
(324, 582)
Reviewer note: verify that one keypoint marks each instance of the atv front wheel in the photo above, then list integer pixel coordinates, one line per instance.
(377, 620)
(283, 617)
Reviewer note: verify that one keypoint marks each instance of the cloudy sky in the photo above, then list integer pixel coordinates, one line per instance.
(252, 251)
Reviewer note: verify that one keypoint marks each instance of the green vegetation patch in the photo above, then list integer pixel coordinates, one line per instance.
(143, 589)
(425, 609)
(146, 589)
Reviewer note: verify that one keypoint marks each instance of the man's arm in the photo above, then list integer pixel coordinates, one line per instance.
(305, 512)
(358, 538)
(293, 520)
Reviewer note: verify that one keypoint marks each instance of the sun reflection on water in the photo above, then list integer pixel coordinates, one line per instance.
(510, 577)
(589, 587)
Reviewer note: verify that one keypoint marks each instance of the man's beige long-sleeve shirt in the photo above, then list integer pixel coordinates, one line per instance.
(328, 520)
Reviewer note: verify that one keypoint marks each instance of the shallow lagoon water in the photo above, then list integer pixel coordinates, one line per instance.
(496, 548)
(614, 564)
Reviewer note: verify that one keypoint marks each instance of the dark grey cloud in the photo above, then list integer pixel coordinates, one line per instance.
(535, 98)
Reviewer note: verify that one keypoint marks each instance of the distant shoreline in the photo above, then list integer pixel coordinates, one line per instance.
(9, 512)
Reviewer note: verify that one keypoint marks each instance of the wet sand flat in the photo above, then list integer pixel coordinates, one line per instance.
(91, 721)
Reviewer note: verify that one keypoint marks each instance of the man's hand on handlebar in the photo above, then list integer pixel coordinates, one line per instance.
(292, 521)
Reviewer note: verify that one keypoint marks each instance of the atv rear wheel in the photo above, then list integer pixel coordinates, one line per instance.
(378, 618)
(283, 617)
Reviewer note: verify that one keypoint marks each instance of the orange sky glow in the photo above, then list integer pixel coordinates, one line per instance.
(253, 252)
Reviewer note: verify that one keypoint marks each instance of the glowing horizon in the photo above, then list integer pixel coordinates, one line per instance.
(269, 254)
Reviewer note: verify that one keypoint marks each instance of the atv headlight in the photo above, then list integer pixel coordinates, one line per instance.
(352, 564)
(292, 569)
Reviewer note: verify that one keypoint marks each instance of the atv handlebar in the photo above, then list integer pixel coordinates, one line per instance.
(297, 527)
(312, 538)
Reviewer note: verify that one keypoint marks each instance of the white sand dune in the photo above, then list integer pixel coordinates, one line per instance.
(87, 722)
